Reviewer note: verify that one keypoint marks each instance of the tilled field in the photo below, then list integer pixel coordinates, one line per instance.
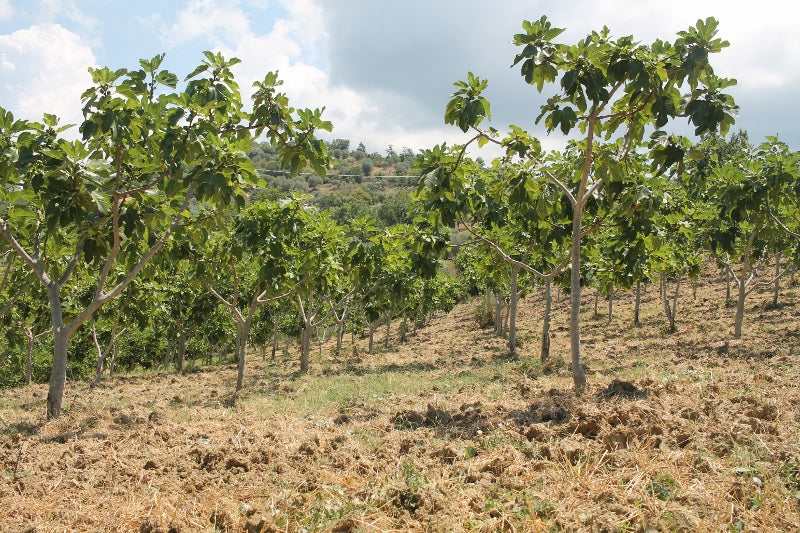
(690, 431)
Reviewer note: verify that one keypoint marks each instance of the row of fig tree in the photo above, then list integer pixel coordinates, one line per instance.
(625, 200)
(150, 202)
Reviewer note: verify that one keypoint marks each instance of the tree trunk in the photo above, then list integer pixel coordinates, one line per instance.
(167, 357)
(638, 304)
(61, 338)
(668, 312)
(322, 334)
(210, 349)
(58, 375)
(388, 328)
(305, 347)
(274, 334)
(777, 288)
(548, 306)
(403, 329)
(101, 355)
(611, 302)
(372, 326)
(675, 302)
(112, 365)
(182, 335)
(240, 351)
(339, 334)
(578, 373)
(29, 355)
(727, 287)
(242, 336)
(739, 319)
(498, 314)
(512, 312)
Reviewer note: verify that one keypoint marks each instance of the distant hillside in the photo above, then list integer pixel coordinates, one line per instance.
(357, 184)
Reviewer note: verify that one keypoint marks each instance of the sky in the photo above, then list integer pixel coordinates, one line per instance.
(382, 69)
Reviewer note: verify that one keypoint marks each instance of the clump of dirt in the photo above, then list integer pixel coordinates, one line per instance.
(464, 423)
(622, 389)
(554, 407)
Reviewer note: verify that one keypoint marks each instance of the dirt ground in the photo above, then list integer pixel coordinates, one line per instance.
(692, 431)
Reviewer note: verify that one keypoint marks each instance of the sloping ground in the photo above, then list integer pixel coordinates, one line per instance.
(691, 431)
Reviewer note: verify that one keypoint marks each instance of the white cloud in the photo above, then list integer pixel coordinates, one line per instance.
(217, 20)
(6, 9)
(44, 69)
(56, 10)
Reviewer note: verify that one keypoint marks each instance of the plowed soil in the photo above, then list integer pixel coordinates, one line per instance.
(691, 431)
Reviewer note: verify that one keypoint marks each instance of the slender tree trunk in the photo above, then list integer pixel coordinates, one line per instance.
(210, 349)
(388, 328)
(777, 288)
(167, 357)
(739, 318)
(512, 312)
(274, 334)
(498, 314)
(403, 329)
(243, 333)
(611, 303)
(112, 365)
(182, 334)
(638, 304)
(548, 306)
(61, 338)
(727, 287)
(675, 302)
(29, 355)
(58, 375)
(101, 355)
(665, 301)
(99, 375)
(578, 373)
(240, 350)
(322, 335)
(339, 334)
(305, 347)
(372, 326)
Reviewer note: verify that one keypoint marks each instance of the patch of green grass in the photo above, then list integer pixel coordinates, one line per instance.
(662, 487)
(499, 438)
(314, 393)
(319, 392)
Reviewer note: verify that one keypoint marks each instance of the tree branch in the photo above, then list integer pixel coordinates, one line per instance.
(35, 264)
(780, 223)
(561, 186)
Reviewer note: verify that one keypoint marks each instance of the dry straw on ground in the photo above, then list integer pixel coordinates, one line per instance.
(685, 432)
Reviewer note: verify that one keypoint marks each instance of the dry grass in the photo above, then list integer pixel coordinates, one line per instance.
(686, 432)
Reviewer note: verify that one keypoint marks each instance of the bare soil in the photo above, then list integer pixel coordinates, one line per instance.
(692, 431)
